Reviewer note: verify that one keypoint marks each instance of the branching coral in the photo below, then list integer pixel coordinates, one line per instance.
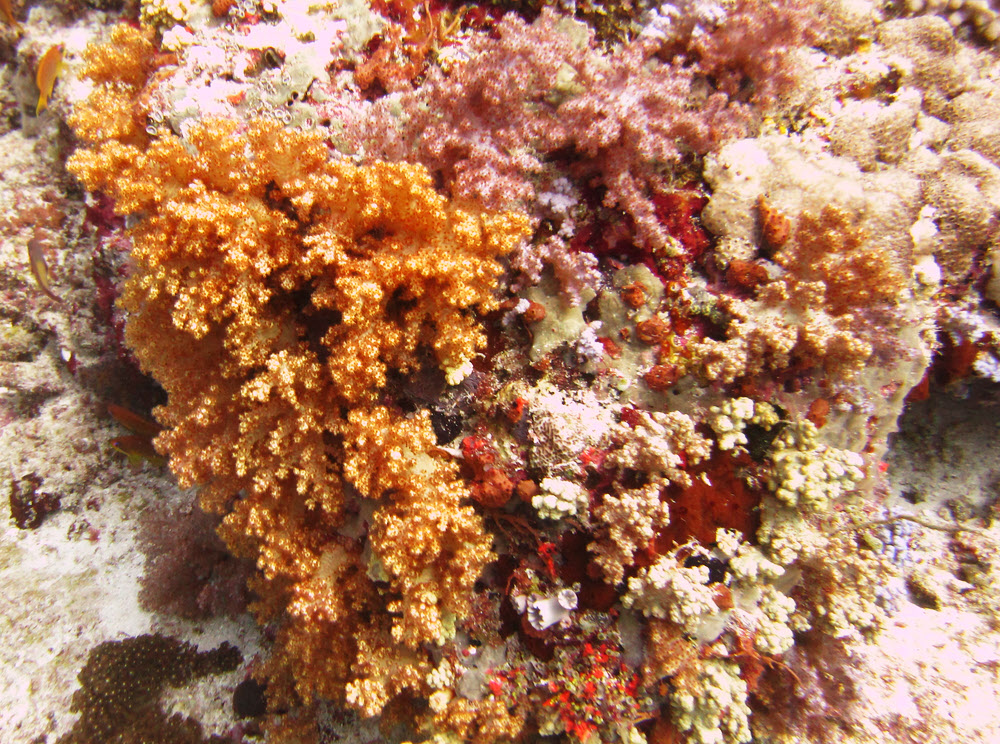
(662, 444)
(729, 420)
(749, 50)
(759, 340)
(808, 478)
(434, 549)
(631, 519)
(189, 572)
(669, 589)
(489, 126)
(627, 520)
(479, 721)
(274, 290)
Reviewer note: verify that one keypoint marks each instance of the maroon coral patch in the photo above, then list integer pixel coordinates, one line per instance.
(28, 507)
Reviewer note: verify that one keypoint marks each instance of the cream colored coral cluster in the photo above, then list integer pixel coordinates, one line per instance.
(559, 498)
(683, 592)
(273, 291)
(630, 519)
(661, 444)
(164, 12)
(730, 418)
(766, 339)
(670, 590)
(712, 706)
(809, 474)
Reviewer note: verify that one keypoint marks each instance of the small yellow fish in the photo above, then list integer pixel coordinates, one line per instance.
(49, 67)
(8, 13)
(138, 450)
(40, 269)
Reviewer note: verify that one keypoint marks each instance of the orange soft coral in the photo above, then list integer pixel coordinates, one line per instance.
(832, 253)
(274, 291)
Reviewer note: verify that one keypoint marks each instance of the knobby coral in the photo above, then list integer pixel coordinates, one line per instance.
(275, 291)
(121, 685)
